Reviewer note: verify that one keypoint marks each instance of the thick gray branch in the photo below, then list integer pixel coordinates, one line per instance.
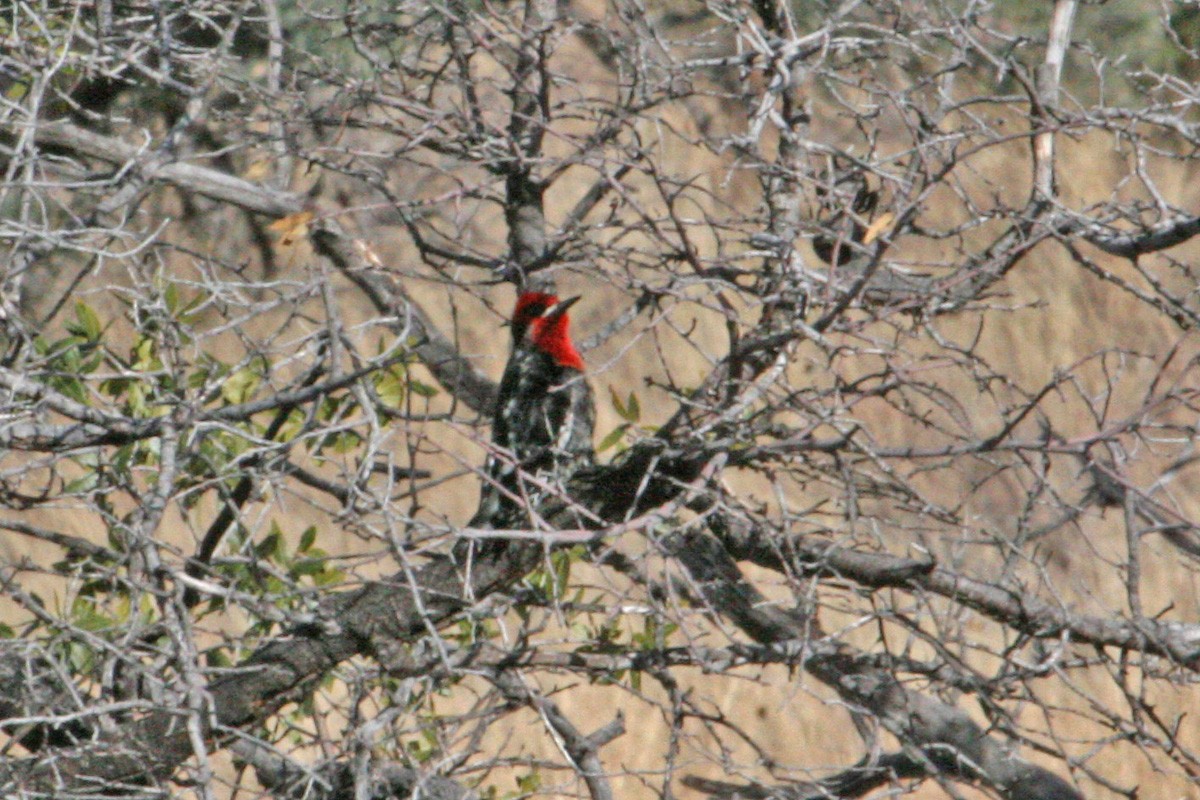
(202, 180)
(941, 736)
(1131, 245)
(1012, 606)
(287, 779)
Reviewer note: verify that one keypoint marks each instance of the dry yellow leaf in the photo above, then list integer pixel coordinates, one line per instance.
(877, 227)
(291, 227)
(258, 170)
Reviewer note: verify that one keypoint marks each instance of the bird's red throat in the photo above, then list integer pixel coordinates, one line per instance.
(552, 337)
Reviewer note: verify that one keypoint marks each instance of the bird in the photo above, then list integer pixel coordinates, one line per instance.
(544, 415)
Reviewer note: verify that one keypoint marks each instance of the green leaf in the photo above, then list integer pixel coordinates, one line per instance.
(530, 783)
(617, 404)
(292, 427)
(85, 615)
(307, 539)
(135, 399)
(421, 389)
(630, 409)
(81, 657)
(271, 546)
(613, 437)
(390, 385)
(16, 92)
(217, 657)
(343, 442)
(240, 386)
(310, 565)
(328, 576)
(71, 387)
(84, 484)
(654, 634)
(171, 298)
(145, 355)
(86, 324)
(562, 571)
(115, 387)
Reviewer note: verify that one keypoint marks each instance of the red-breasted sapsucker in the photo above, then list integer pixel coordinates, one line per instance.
(544, 416)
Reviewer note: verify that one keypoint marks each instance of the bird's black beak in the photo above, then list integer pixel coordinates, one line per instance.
(558, 309)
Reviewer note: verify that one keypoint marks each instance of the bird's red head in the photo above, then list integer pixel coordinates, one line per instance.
(545, 316)
(530, 306)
